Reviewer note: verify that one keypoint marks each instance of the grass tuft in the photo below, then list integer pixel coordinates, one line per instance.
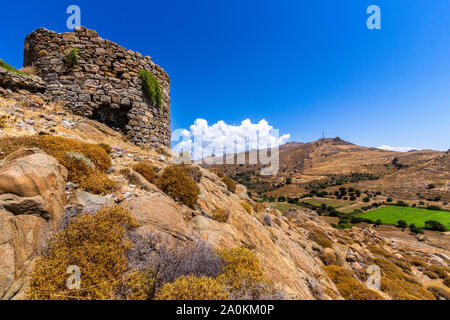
(151, 88)
(11, 69)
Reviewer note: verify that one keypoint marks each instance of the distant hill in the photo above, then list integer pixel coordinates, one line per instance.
(305, 165)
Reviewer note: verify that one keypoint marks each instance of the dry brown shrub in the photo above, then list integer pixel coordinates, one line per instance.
(96, 243)
(247, 207)
(446, 282)
(230, 183)
(106, 147)
(193, 172)
(259, 207)
(221, 215)
(243, 277)
(176, 183)
(193, 288)
(348, 286)
(440, 293)
(398, 284)
(218, 172)
(146, 170)
(329, 258)
(320, 238)
(30, 70)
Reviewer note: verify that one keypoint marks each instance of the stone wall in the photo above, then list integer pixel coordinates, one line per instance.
(104, 85)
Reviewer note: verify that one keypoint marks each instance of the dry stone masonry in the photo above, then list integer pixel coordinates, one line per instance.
(103, 85)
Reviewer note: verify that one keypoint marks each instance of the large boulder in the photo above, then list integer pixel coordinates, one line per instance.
(158, 213)
(33, 183)
(32, 199)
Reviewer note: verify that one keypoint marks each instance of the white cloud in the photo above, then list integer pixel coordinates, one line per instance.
(204, 140)
(399, 149)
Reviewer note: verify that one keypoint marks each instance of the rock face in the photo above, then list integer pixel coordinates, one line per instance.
(32, 199)
(158, 213)
(83, 202)
(32, 182)
(104, 85)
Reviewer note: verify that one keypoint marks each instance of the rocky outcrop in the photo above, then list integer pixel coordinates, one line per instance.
(157, 212)
(83, 202)
(16, 82)
(33, 183)
(32, 199)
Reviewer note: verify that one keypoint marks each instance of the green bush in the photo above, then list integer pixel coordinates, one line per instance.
(401, 203)
(402, 224)
(71, 57)
(415, 229)
(435, 226)
(151, 88)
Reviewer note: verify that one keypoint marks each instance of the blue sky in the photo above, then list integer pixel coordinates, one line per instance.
(304, 66)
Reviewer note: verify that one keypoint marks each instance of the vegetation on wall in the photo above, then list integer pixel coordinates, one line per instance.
(151, 88)
(71, 57)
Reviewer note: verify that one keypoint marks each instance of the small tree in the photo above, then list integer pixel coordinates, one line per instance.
(435, 226)
(402, 224)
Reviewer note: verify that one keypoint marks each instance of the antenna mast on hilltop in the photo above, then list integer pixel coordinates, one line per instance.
(323, 134)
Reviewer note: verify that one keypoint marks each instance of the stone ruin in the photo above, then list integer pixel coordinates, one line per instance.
(104, 85)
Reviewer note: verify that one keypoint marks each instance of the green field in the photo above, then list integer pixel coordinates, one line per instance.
(390, 215)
